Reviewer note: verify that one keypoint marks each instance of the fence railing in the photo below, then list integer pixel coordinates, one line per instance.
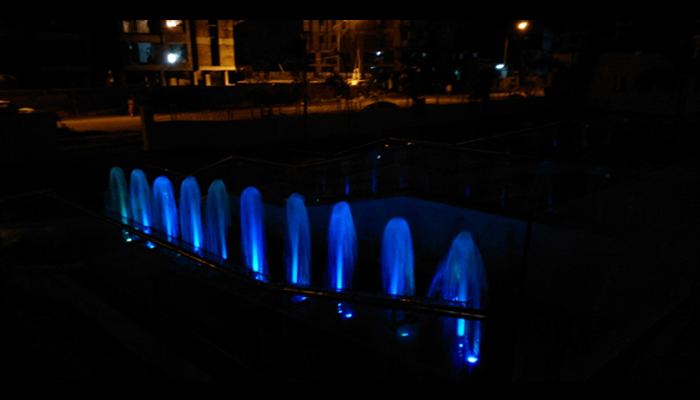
(496, 180)
(340, 105)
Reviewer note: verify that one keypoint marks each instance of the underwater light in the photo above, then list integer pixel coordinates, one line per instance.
(344, 313)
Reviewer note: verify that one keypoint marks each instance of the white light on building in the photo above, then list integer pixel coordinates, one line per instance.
(173, 58)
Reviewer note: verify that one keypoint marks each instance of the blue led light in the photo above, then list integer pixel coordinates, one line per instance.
(344, 313)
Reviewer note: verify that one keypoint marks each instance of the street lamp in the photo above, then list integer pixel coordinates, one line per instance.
(342, 27)
(340, 32)
(521, 26)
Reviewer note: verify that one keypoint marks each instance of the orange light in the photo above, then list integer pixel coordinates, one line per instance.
(523, 25)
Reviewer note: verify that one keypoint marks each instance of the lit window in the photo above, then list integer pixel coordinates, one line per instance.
(142, 26)
(135, 26)
(145, 53)
(174, 25)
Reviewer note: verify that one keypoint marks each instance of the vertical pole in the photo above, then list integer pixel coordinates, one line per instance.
(146, 119)
(305, 95)
(337, 40)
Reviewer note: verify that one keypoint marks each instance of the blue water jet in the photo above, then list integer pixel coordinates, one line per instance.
(253, 244)
(117, 201)
(342, 252)
(342, 247)
(191, 231)
(140, 201)
(164, 208)
(397, 259)
(298, 251)
(461, 278)
(217, 219)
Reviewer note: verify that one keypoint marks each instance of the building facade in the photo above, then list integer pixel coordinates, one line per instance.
(216, 56)
(351, 46)
(177, 52)
(384, 50)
